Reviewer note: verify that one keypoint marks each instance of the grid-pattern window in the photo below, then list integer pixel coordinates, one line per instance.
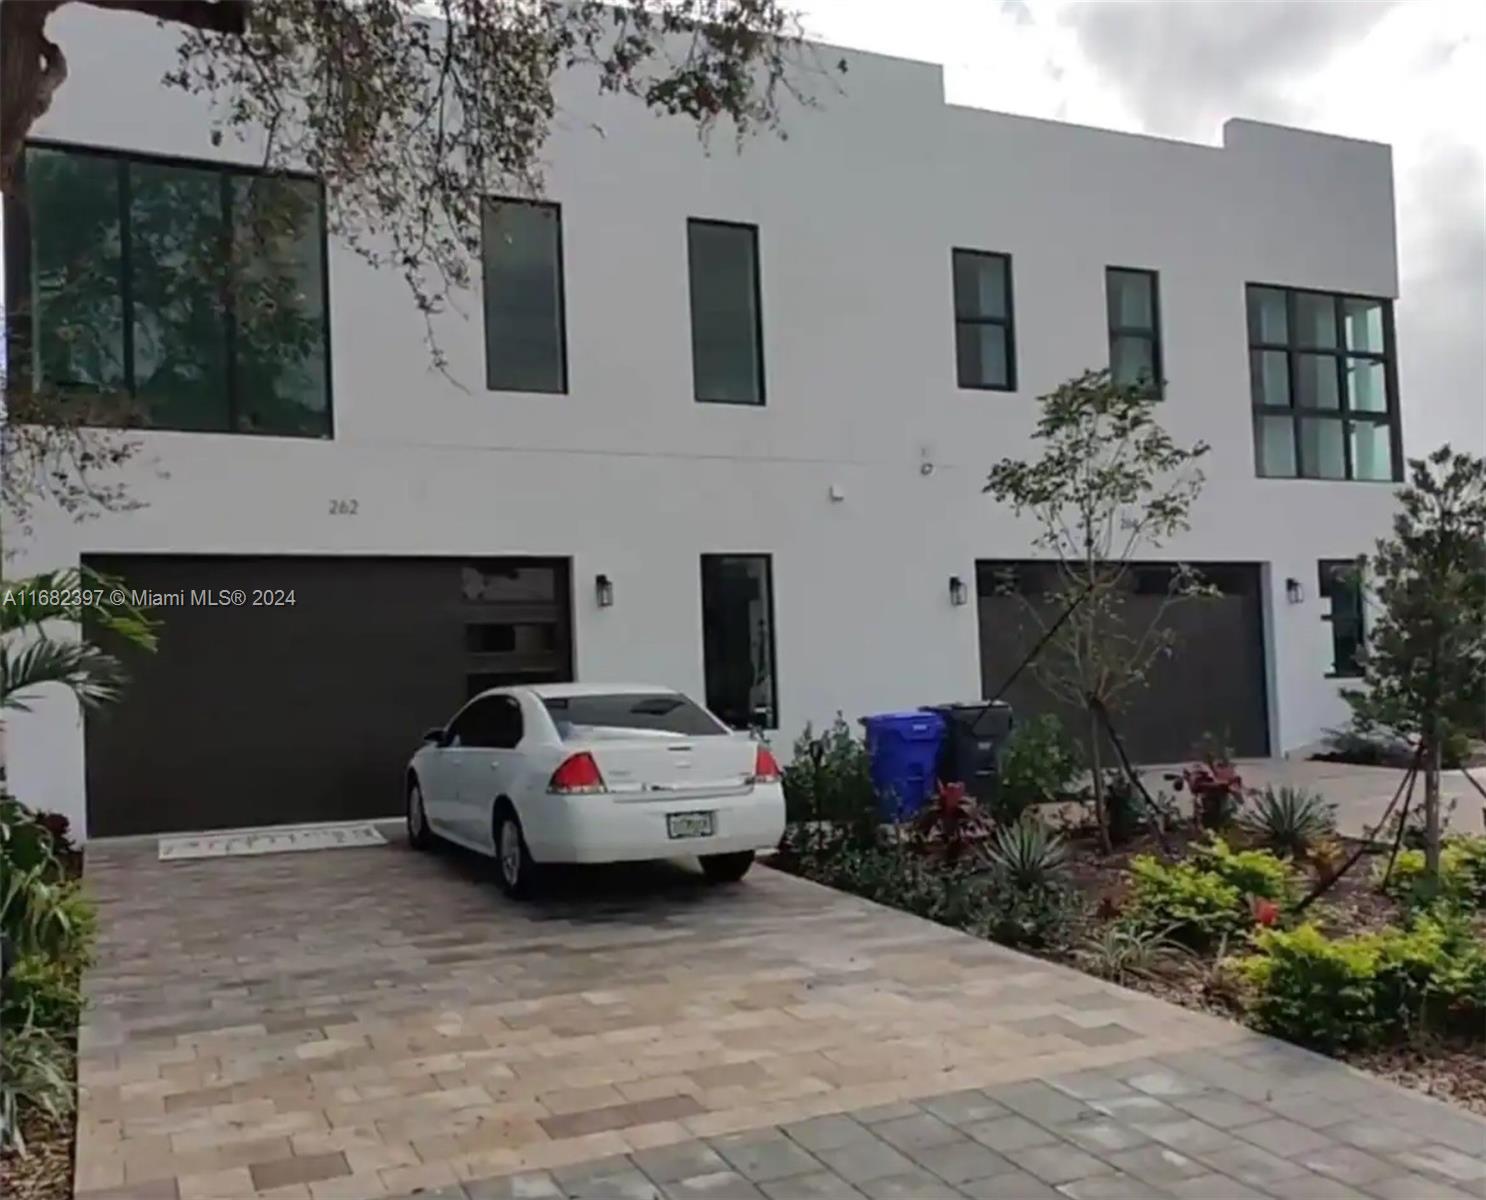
(738, 639)
(1134, 328)
(525, 337)
(1321, 373)
(727, 345)
(1341, 588)
(195, 290)
(985, 341)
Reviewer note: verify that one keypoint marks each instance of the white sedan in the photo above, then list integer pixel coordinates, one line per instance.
(583, 773)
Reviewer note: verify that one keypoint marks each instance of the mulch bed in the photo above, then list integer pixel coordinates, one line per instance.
(45, 1173)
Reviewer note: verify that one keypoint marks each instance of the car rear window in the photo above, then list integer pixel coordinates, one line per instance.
(662, 712)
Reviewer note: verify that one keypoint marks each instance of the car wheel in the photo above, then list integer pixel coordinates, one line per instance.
(514, 868)
(727, 868)
(420, 836)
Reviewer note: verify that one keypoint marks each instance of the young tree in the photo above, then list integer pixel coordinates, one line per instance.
(412, 112)
(1109, 486)
(1424, 661)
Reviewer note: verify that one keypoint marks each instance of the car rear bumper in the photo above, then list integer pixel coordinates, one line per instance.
(601, 828)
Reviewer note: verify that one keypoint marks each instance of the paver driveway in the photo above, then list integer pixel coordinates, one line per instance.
(373, 1022)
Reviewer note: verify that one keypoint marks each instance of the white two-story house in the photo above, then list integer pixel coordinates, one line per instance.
(712, 419)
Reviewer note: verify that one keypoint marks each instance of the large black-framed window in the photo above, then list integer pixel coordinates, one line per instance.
(195, 292)
(727, 333)
(985, 328)
(1324, 382)
(526, 347)
(738, 639)
(1341, 587)
(1132, 297)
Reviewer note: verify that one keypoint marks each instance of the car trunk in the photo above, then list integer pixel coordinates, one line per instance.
(643, 765)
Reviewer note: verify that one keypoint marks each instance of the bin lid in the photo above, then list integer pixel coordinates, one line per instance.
(911, 719)
(965, 706)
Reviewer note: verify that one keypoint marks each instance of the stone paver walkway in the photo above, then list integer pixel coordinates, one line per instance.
(367, 1023)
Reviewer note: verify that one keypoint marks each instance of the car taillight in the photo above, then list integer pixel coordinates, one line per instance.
(765, 769)
(579, 773)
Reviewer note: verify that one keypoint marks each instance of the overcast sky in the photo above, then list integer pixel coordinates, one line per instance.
(1408, 72)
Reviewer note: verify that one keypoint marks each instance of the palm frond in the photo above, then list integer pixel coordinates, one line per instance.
(91, 675)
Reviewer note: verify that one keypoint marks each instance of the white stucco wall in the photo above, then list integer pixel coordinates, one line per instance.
(627, 475)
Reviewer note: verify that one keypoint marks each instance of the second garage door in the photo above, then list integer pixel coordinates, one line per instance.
(279, 713)
(1213, 683)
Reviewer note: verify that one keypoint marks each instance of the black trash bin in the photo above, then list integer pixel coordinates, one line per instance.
(974, 733)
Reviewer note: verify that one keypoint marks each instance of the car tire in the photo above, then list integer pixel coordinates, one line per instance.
(420, 836)
(727, 868)
(514, 869)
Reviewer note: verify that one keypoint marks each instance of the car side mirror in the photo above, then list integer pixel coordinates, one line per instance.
(436, 735)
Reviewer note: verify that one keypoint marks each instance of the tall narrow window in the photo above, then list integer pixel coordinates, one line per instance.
(525, 338)
(727, 354)
(738, 639)
(196, 290)
(985, 345)
(1321, 374)
(1134, 328)
(1341, 587)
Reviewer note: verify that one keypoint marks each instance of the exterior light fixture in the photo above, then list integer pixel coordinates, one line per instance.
(1294, 592)
(957, 592)
(603, 590)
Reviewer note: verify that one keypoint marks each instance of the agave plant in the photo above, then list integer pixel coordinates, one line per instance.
(1027, 855)
(1290, 820)
(1121, 952)
(32, 656)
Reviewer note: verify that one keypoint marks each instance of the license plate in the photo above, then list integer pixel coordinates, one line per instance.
(690, 825)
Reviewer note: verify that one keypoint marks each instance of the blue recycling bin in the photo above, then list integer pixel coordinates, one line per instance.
(903, 750)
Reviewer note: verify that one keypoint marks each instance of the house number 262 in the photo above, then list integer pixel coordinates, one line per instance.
(343, 508)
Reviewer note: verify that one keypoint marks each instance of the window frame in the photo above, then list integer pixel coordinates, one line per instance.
(17, 255)
(1324, 580)
(1157, 390)
(565, 383)
(1344, 415)
(758, 313)
(1008, 322)
(768, 561)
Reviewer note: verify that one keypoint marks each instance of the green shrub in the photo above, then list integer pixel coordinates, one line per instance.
(43, 992)
(1038, 764)
(1194, 905)
(1290, 820)
(1351, 991)
(1252, 872)
(1121, 951)
(1462, 873)
(1314, 990)
(1033, 917)
(36, 1074)
(829, 778)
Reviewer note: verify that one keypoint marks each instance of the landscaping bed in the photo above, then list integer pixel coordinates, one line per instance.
(48, 928)
(1205, 906)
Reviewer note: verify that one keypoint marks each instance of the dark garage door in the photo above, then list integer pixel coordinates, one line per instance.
(262, 715)
(1213, 682)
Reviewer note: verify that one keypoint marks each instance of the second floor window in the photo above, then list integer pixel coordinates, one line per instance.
(1134, 328)
(726, 335)
(196, 291)
(1321, 372)
(985, 346)
(525, 334)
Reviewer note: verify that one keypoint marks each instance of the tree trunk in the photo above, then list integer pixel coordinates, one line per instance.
(1432, 758)
(1101, 814)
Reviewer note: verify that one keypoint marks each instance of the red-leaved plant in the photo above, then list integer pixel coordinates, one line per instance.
(1265, 912)
(951, 823)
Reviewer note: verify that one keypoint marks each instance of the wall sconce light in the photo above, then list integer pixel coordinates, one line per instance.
(1294, 592)
(603, 590)
(957, 593)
